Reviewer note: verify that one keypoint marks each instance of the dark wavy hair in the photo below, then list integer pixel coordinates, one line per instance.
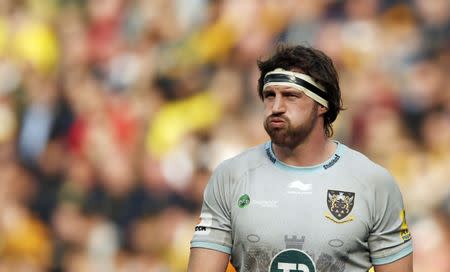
(312, 62)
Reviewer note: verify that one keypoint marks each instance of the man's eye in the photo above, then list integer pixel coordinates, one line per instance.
(269, 95)
(293, 95)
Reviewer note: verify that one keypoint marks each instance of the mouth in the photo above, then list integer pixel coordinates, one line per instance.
(277, 122)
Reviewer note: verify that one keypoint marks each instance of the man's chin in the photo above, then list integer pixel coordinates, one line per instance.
(284, 139)
(278, 138)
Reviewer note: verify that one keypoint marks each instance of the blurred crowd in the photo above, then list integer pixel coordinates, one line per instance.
(113, 113)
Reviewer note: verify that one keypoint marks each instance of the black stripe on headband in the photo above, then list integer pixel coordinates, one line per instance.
(298, 81)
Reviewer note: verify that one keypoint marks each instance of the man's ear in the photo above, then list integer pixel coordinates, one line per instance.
(322, 110)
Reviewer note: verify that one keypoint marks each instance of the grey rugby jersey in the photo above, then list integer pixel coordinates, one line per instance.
(345, 214)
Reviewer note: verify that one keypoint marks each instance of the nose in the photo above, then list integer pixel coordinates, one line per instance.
(278, 105)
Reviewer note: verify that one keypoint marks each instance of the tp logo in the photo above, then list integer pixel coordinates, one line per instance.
(290, 260)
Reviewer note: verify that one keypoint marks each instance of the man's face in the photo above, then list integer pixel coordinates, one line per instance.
(290, 115)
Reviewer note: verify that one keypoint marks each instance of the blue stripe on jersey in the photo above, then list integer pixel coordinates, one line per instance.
(392, 258)
(308, 169)
(212, 246)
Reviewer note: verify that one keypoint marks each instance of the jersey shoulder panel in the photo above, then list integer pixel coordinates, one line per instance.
(366, 170)
(240, 164)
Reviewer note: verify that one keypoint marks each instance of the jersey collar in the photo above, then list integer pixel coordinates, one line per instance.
(329, 163)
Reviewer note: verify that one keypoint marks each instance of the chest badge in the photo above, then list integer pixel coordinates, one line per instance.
(340, 204)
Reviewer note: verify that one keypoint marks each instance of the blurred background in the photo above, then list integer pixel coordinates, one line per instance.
(113, 113)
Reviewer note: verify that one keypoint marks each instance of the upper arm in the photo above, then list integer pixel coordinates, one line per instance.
(207, 260)
(404, 264)
(389, 239)
(212, 242)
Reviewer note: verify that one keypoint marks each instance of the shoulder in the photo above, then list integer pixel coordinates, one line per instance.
(244, 162)
(365, 169)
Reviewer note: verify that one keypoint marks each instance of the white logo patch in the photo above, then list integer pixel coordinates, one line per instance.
(299, 188)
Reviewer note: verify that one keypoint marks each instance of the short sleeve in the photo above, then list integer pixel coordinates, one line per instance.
(389, 239)
(214, 229)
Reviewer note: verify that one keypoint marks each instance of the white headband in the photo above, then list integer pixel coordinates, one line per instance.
(299, 81)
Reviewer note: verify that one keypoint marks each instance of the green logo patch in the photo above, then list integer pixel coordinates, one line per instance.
(290, 260)
(243, 201)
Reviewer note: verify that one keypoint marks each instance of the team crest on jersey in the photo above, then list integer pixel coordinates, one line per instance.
(340, 204)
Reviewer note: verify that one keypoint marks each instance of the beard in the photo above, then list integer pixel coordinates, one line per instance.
(291, 136)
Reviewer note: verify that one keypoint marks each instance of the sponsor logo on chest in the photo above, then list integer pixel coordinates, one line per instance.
(290, 260)
(245, 201)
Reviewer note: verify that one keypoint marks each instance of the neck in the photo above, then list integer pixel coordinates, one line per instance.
(316, 149)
